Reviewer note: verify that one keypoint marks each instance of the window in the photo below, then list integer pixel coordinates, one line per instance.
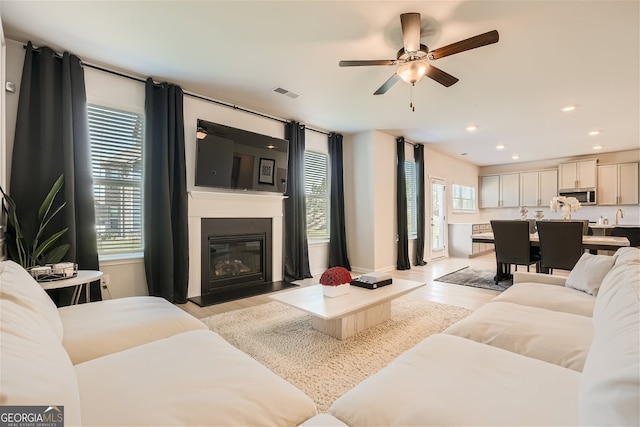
(316, 178)
(410, 179)
(464, 198)
(116, 158)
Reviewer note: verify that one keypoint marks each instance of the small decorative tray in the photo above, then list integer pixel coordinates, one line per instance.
(53, 272)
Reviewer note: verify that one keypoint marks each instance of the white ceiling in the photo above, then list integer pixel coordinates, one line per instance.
(550, 54)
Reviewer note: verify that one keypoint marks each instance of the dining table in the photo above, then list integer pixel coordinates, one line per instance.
(591, 243)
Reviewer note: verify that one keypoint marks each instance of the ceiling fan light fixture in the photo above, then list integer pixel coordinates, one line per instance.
(412, 71)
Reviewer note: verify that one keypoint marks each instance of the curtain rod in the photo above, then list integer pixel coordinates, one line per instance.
(193, 95)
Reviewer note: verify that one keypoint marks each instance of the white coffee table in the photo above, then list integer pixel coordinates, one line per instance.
(346, 315)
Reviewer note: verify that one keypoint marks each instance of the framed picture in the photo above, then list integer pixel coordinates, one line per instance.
(266, 171)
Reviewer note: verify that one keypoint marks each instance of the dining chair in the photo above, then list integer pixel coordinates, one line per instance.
(585, 224)
(560, 244)
(631, 233)
(513, 246)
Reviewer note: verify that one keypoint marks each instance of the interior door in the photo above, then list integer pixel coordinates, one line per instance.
(438, 219)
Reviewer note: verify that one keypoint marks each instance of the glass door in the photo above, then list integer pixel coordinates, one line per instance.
(438, 219)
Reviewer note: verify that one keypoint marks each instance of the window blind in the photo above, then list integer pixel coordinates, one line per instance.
(316, 178)
(410, 179)
(116, 158)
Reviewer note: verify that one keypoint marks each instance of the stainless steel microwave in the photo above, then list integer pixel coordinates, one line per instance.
(586, 196)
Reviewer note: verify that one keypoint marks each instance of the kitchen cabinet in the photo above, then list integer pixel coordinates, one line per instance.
(500, 191)
(618, 184)
(582, 174)
(537, 188)
(460, 244)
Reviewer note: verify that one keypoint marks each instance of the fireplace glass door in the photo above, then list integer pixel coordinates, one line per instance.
(236, 260)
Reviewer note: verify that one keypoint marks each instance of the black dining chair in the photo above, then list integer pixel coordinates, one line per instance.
(513, 246)
(631, 233)
(560, 244)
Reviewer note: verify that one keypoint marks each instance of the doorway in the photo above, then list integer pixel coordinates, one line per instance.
(438, 219)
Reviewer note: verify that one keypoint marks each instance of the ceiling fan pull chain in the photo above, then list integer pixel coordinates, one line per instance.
(413, 107)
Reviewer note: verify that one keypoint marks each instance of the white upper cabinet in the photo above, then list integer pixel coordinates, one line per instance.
(500, 191)
(538, 187)
(618, 184)
(582, 174)
(510, 190)
(490, 191)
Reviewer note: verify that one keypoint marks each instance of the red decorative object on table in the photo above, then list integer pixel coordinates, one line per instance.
(335, 276)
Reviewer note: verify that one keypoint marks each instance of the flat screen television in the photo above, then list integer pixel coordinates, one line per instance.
(228, 157)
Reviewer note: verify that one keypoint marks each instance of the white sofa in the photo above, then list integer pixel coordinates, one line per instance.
(131, 361)
(541, 353)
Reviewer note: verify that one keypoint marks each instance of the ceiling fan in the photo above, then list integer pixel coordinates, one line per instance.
(412, 57)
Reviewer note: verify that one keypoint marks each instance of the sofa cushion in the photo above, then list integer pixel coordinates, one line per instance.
(448, 380)
(34, 368)
(104, 327)
(610, 388)
(553, 336)
(550, 297)
(17, 285)
(588, 273)
(193, 378)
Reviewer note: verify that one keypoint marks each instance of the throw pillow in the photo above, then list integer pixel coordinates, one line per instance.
(588, 273)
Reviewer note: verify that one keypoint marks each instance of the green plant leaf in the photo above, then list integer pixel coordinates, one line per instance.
(56, 254)
(44, 225)
(46, 245)
(48, 201)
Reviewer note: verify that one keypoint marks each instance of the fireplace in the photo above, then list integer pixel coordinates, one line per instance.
(236, 259)
(236, 252)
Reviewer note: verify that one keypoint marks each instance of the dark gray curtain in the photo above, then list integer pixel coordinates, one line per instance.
(52, 138)
(337, 234)
(401, 209)
(166, 236)
(296, 250)
(418, 153)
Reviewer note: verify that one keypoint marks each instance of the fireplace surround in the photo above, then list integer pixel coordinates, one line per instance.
(236, 259)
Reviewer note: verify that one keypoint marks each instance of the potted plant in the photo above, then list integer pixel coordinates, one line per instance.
(335, 281)
(38, 251)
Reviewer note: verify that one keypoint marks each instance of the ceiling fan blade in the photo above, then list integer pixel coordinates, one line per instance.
(357, 63)
(440, 76)
(463, 45)
(410, 31)
(387, 85)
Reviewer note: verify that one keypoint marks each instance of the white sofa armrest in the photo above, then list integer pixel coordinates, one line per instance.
(547, 279)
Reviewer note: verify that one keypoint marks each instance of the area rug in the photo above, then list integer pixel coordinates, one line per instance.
(282, 338)
(476, 278)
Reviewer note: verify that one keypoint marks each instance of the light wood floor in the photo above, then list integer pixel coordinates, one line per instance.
(446, 293)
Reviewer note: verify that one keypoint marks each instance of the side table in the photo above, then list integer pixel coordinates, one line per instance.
(84, 277)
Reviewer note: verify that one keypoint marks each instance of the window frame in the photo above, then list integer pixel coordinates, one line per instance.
(136, 220)
(473, 199)
(321, 197)
(410, 177)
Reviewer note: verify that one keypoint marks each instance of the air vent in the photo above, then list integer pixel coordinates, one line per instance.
(285, 92)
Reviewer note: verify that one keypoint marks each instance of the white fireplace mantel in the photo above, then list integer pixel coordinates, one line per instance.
(237, 204)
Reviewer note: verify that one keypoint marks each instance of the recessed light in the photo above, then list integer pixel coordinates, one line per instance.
(464, 154)
(271, 146)
(515, 157)
(594, 132)
(568, 108)
(500, 147)
(597, 147)
(472, 128)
